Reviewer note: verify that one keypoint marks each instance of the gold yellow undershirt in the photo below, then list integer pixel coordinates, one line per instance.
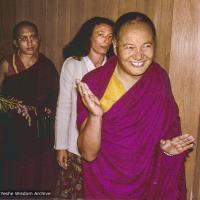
(114, 91)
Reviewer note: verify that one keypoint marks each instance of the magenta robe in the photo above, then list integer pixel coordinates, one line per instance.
(130, 163)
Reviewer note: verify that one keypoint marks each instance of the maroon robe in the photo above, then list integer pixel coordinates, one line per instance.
(28, 157)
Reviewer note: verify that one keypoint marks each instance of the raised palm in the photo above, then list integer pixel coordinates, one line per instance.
(89, 99)
(177, 144)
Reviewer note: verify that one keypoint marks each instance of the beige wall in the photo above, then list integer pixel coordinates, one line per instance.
(178, 46)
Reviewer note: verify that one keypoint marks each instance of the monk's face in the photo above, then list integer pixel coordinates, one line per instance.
(101, 39)
(134, 49)
(28, 40)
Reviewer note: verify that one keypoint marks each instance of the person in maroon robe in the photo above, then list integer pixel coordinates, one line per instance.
(129, 127)
(27, 154)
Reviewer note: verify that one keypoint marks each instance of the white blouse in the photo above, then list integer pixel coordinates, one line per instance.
(66, 132)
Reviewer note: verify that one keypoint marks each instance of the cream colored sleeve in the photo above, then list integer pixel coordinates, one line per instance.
(64, 105)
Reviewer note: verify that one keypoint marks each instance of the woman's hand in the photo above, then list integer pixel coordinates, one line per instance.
(62, 158)
(89, 99)
(177, 145)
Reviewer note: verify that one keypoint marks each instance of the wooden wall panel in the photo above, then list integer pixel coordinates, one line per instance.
(63, 28)
(127, 6)
(51, 26)
(112, 12)
(77, 15)
(184, 73)
(7, 21)
(196, 183)
(92, 7)
(178, 49)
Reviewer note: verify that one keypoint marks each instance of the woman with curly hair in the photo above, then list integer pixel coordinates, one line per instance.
(89, 49)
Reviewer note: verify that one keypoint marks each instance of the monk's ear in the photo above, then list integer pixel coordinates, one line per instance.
(114, 42)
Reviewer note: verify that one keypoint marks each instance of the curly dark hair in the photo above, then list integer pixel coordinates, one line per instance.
(130, 17)
(80, 45)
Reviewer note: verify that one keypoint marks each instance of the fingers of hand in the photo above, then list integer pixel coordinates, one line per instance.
(184, 137)
(87, 96)
(82, 89)
(183, 145)
(77, 81)
(88, 91)
(183, 140)
(79, 87)
(63, 164)
(178, 144)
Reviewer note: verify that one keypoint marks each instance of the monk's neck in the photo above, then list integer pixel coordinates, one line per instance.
(28, 60)
(126, 79)
(96, 58)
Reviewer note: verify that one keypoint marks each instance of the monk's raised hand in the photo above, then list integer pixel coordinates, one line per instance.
(89, 99)
(177, 144)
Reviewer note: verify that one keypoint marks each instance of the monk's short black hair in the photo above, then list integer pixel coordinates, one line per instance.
(131, 17)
